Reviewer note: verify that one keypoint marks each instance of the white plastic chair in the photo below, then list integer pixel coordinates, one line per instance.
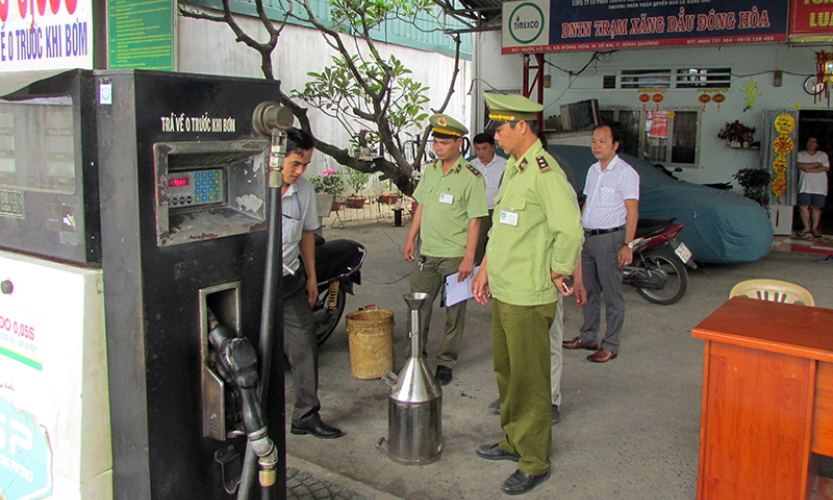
(774, 291)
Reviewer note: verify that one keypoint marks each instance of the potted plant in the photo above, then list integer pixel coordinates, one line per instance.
(357, 181)
(388, 198)
(363, 143)
(754, 182)
(738, 134)
(327, 186)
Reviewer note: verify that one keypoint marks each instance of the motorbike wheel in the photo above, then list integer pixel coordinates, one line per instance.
(665, 259)
(327, 319)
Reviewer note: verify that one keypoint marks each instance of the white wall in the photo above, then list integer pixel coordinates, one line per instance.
(208, 47)
(717, 162)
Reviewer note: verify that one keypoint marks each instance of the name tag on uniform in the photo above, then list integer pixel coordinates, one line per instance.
(510, 218)
(446, 198)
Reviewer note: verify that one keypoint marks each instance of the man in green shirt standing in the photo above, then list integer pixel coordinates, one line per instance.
(452, 198)
(535, 242)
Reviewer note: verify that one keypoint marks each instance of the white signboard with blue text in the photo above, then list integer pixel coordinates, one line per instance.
(46, 34)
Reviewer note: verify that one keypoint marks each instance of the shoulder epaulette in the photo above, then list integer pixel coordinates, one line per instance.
(522, 165)
(473, 170)
(543, 164)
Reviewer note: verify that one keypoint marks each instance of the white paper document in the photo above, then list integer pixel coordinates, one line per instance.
(457, 292)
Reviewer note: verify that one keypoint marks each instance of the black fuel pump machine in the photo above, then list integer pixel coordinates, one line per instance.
(183, 216)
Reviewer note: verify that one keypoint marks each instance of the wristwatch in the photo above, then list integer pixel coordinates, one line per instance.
(629, 245)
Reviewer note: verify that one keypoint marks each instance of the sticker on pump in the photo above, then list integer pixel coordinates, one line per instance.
(21, 336)
(105, 93)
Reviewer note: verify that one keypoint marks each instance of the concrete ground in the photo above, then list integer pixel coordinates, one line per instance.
(630, 428)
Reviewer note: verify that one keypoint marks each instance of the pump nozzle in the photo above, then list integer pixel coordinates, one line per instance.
(237, 364)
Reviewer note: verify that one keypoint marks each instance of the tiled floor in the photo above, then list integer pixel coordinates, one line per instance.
(808, 244)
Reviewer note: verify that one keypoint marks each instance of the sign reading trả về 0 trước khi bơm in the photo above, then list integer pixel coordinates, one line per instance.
(45, 34)
(558, 25)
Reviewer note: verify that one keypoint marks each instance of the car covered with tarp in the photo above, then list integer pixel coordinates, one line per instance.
(720, 226)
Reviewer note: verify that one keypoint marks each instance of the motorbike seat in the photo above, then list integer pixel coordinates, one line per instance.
(648, 228)
(335, 256)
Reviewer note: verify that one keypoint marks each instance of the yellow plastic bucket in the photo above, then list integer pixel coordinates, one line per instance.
(371, 343)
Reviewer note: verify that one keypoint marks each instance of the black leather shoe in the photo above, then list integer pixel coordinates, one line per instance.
(443, 375)
(495, 452)
(521, 482)
(318, 429)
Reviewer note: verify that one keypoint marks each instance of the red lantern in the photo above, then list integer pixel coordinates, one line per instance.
(644, 97)
(657, 98)
(705, 98)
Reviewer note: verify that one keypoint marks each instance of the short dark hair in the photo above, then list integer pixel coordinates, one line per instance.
(615, 131)
(298, 141)
(533, 125)
(484, 137)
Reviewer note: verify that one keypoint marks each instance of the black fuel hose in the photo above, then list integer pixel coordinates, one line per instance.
(271, 314)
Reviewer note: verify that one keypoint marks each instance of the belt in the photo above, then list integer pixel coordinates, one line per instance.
(594, 232)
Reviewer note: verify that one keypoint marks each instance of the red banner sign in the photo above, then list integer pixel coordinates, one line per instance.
(810, 18)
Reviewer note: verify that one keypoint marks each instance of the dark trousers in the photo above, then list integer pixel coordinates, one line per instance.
(601, 274)
(429, 278)
(301, 349)
(521, 343)
(485, 225)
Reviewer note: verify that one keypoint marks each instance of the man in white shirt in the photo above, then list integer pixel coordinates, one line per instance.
(492, 167)
(300, 290)
(609, 218)
(812, 191)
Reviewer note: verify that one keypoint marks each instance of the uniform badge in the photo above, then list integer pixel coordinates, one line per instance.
(473, 170)
(441, 121)
(543, 165)
(522, 165)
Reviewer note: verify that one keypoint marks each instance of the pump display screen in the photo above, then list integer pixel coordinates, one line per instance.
(37, 145)
(197, 187)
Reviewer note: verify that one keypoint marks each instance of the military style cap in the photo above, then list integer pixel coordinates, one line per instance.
(512, 108)
(446, 127)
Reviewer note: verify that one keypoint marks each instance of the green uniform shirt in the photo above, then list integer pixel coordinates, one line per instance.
(449, 201)
(536, 227)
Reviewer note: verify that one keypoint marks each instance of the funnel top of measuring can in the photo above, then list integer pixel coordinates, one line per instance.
(415, 300)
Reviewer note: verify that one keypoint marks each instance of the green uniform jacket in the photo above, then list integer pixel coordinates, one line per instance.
(538, 199)
(445, 221)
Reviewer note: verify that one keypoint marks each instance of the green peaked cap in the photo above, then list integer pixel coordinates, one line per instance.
(445, 126)
(512, 107)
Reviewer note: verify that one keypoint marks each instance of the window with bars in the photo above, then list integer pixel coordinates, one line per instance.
(645, 78)
(681, 78)
(703, 78)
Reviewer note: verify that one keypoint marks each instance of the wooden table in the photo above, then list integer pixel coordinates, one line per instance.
(767, 399)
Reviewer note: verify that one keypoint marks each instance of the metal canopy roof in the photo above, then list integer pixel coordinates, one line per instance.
(476, 15)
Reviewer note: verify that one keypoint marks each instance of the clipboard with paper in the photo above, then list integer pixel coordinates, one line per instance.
(454, 292)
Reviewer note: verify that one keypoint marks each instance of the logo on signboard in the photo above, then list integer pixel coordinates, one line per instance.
(526, 22)
(25, 454)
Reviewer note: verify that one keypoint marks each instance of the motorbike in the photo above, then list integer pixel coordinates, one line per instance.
(658, 271)
(338, 267)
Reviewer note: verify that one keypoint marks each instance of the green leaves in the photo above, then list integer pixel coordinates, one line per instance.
(377, 92)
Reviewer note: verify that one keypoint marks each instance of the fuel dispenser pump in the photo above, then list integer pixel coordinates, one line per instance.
(190, 226)
(140, 221)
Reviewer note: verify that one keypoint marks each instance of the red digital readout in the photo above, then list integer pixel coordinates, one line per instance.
(178, 182)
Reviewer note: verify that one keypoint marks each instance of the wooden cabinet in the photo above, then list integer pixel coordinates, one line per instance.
(767, 399)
